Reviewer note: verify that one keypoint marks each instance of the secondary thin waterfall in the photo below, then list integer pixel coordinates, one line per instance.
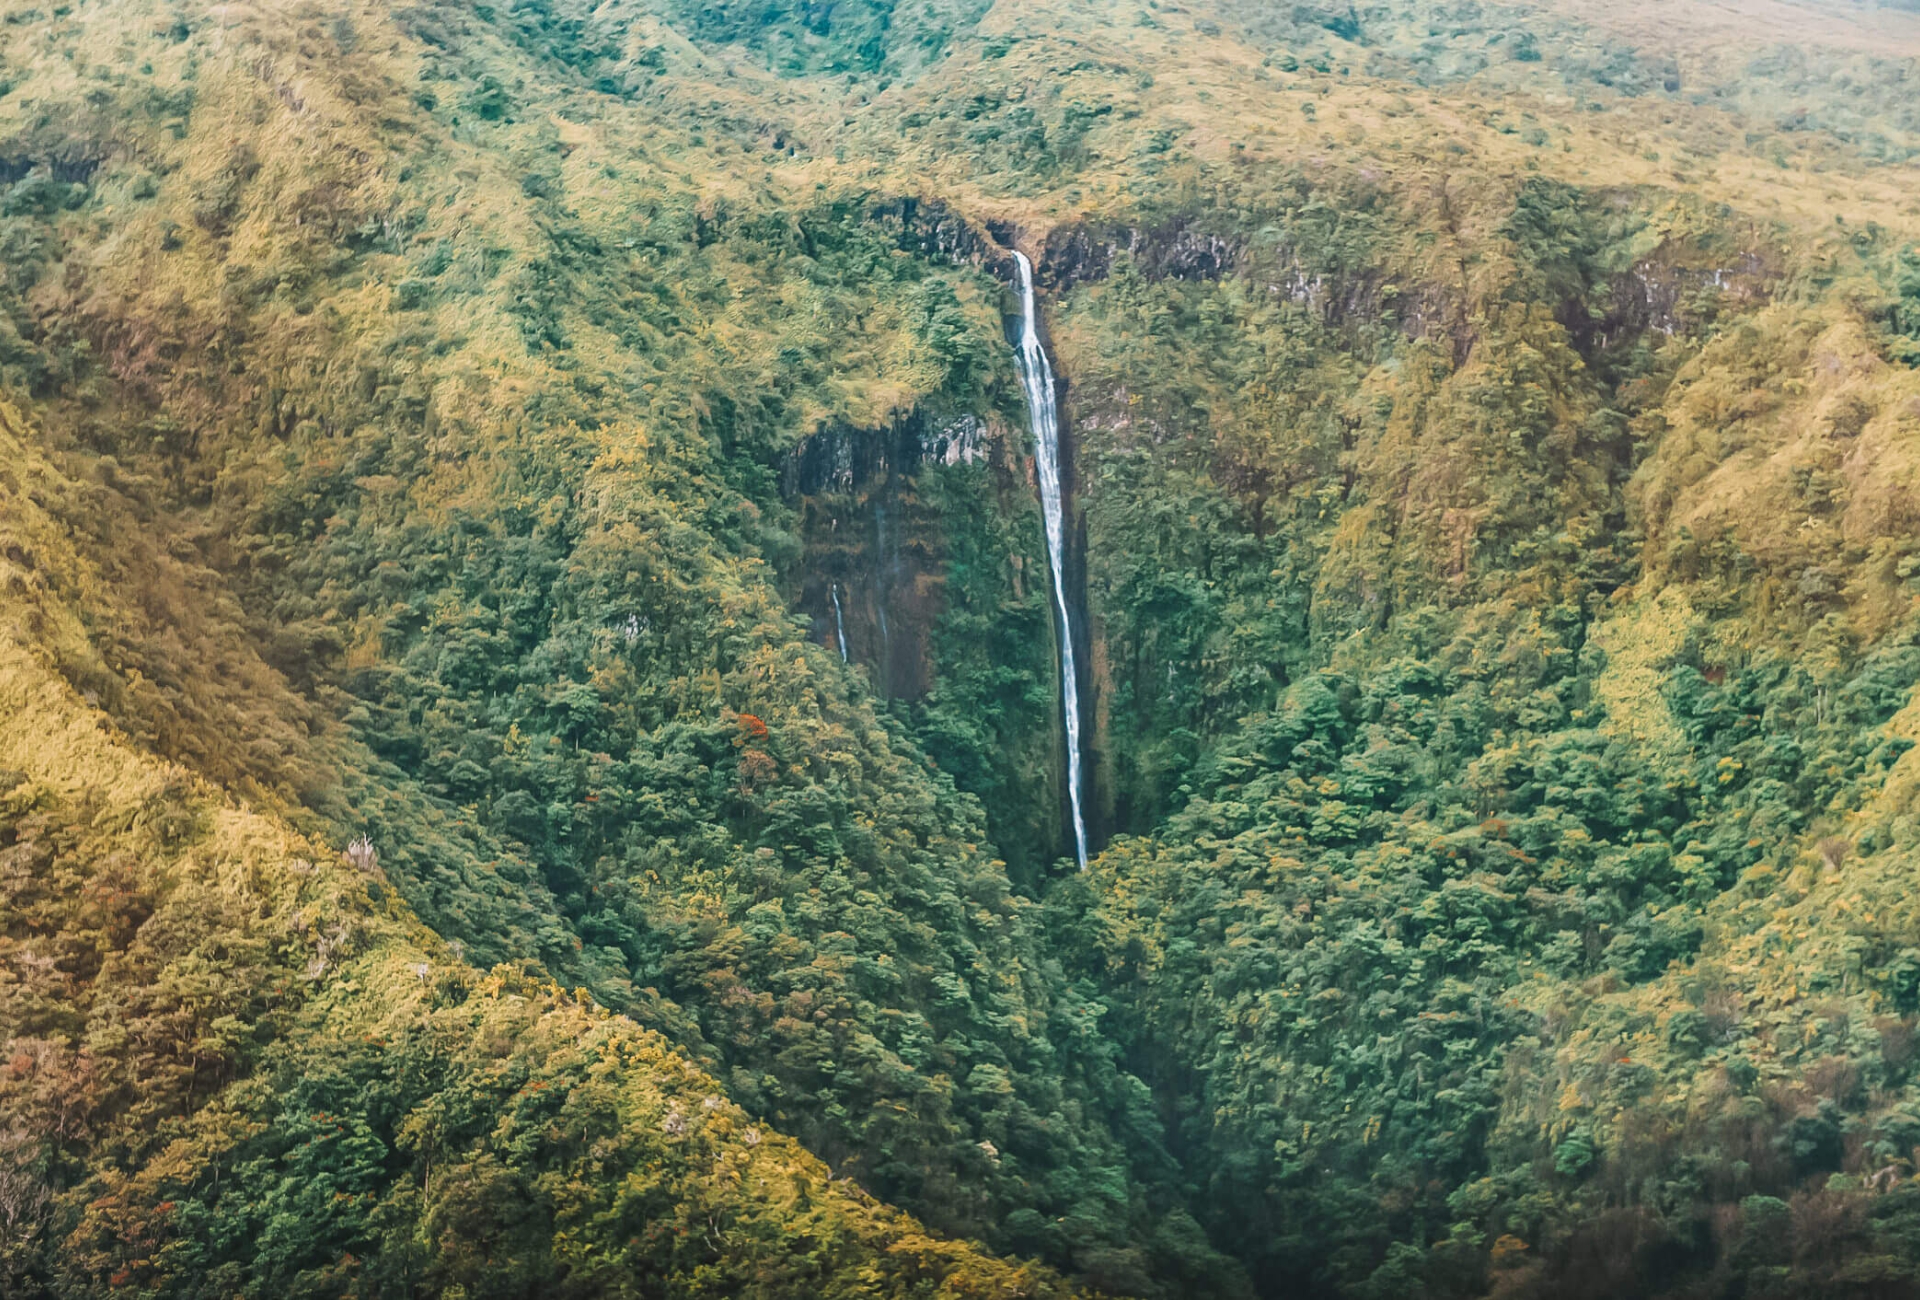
(1036, 376)
(839, 624)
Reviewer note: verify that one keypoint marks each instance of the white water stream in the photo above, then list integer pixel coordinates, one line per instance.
(1036, 376)
(839, 625)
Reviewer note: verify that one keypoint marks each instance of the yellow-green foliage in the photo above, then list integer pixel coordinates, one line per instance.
(407, 381)
(1494, 431)
(238, 1062)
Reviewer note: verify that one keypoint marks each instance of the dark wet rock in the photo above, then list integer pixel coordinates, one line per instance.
(1660, 297)
(871, 542)
(1173, 250)
(934, 230)
(843, 458)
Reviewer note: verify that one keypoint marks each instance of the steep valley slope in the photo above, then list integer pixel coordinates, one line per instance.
(530, 745)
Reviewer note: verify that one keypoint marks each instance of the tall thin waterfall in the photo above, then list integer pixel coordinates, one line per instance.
(1036, 376)
(839, 624)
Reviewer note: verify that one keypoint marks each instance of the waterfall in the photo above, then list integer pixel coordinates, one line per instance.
(1036, 376)
(839, 625)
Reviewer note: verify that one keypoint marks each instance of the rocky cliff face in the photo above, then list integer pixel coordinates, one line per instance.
(1179, 248)
(873, 576)
(922, 556)
(1656, 296)
(935, 230)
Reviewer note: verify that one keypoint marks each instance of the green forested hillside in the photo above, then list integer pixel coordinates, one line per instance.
(531, 757)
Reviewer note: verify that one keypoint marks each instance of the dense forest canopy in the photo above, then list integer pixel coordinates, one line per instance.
(531, 745)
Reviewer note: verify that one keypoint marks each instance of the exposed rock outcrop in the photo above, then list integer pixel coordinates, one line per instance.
(872, 546)
(1174, 250)
(934, 230)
